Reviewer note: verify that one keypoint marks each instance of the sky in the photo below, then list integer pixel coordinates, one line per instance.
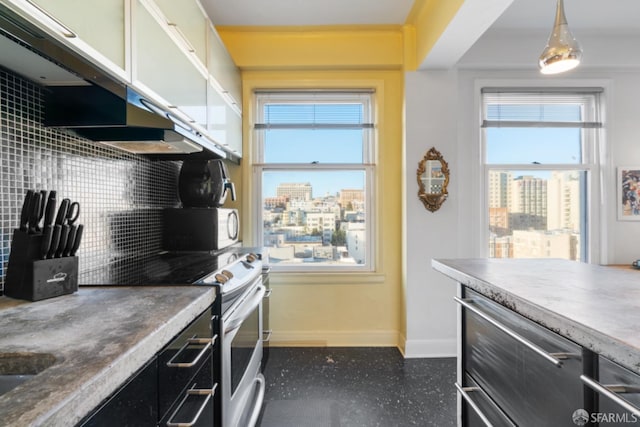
(505, 145)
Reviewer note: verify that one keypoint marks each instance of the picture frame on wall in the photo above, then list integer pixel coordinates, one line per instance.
(628, 183)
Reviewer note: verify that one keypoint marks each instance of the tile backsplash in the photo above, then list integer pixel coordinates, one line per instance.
(121, 195)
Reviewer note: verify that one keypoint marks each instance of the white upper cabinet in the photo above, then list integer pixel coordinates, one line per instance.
(224, 121)
(224, 107)
(163, 64)
(223, 69)
(189, 22)
(98, 28)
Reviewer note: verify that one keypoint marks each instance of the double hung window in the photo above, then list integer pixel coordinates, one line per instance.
(314, 166)
(540, 150)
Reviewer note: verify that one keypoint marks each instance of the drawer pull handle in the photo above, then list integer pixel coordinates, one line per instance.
(606, 391)
(554, 358)
(192, 341)
(192, 392)
(465, 393)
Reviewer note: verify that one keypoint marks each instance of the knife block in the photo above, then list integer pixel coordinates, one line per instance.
(31, 278)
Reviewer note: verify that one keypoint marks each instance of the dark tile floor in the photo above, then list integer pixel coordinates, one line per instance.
(357, 387)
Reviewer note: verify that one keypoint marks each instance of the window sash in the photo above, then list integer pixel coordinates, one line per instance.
(589, 121)
(260, 166)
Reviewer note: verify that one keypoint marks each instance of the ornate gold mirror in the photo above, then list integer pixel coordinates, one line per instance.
(433, 178)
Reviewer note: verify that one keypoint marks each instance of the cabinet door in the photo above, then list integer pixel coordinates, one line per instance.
(223, 69)
(100, 27)
(189, 21)
(162, 68)
(622, 389)
(525, 384)
(135, 404)
(224, 123)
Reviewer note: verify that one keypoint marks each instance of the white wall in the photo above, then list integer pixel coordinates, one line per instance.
(441, 111)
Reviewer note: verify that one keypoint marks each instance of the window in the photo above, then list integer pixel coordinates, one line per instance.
(540, 153)
(314, 171)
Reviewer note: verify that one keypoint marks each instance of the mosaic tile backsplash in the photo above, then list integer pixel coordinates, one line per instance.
(121, 195)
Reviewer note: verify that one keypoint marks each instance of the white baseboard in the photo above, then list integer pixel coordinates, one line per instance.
(335, 339)
(430, 348)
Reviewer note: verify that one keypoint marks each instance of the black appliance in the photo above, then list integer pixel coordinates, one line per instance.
(202, 224)
(204, 184)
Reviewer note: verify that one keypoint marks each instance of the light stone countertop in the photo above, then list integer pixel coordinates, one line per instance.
(99, 335)
(595, 306)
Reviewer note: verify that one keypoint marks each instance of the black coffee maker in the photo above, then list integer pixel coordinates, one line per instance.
(202, 224)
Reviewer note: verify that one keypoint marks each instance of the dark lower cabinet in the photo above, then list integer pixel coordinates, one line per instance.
(177, 387)
(134, 405)
(515, 372)
(525, 374)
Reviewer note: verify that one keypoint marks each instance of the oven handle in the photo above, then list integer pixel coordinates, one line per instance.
(193, 392)
(191, 341)
(248, 306)
(258, 406)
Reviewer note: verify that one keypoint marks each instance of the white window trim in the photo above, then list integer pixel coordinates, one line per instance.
(599, 178)
(368, 166)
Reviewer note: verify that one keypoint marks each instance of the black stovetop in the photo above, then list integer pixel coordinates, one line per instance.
(168, 268)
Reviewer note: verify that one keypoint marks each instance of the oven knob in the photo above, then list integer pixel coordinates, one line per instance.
(227, 273)
(221, 278)
(251, 258)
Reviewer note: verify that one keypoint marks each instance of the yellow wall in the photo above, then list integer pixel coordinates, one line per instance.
(334, 309)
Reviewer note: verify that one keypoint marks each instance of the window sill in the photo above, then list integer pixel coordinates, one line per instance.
(340, 278)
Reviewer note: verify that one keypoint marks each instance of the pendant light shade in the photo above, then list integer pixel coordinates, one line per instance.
(563, 52)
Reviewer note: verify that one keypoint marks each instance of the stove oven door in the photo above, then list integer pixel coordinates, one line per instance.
(242, 382)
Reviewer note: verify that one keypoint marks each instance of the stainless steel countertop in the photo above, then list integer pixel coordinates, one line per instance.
(595, 306)
(100, 336)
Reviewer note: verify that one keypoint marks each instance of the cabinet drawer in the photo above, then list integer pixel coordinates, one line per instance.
(477, 407)
(618, 391)
(185, 356)
(531, 373)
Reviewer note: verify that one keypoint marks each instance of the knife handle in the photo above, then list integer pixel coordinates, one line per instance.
(55, 239)
(76, 243)
(71, 239)
(34, 218)
(46, 241)
(62, 211)
(50, 209)
(26, 210)
(64, 236)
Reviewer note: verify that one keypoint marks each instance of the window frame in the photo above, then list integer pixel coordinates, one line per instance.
(592, 151)
(368, 167)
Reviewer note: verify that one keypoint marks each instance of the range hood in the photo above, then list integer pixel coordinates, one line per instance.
(91, 102)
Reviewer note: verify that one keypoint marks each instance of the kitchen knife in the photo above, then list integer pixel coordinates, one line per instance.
(71, 239)
(47, 234)
(64, 236)
(26, 210)
(55, 239)
(35, 215)
(62, 211)
(50, 208)
(43, 204)
(76, 244)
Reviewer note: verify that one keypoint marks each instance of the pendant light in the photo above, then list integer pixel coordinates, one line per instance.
(563, 52)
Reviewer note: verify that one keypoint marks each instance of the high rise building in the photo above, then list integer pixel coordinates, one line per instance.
(295, 190)
(355, 197)
(528, 203)
(563, 201)
(499, 189)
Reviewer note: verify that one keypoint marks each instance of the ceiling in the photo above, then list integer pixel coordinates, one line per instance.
(610, 16)
(475, 18)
